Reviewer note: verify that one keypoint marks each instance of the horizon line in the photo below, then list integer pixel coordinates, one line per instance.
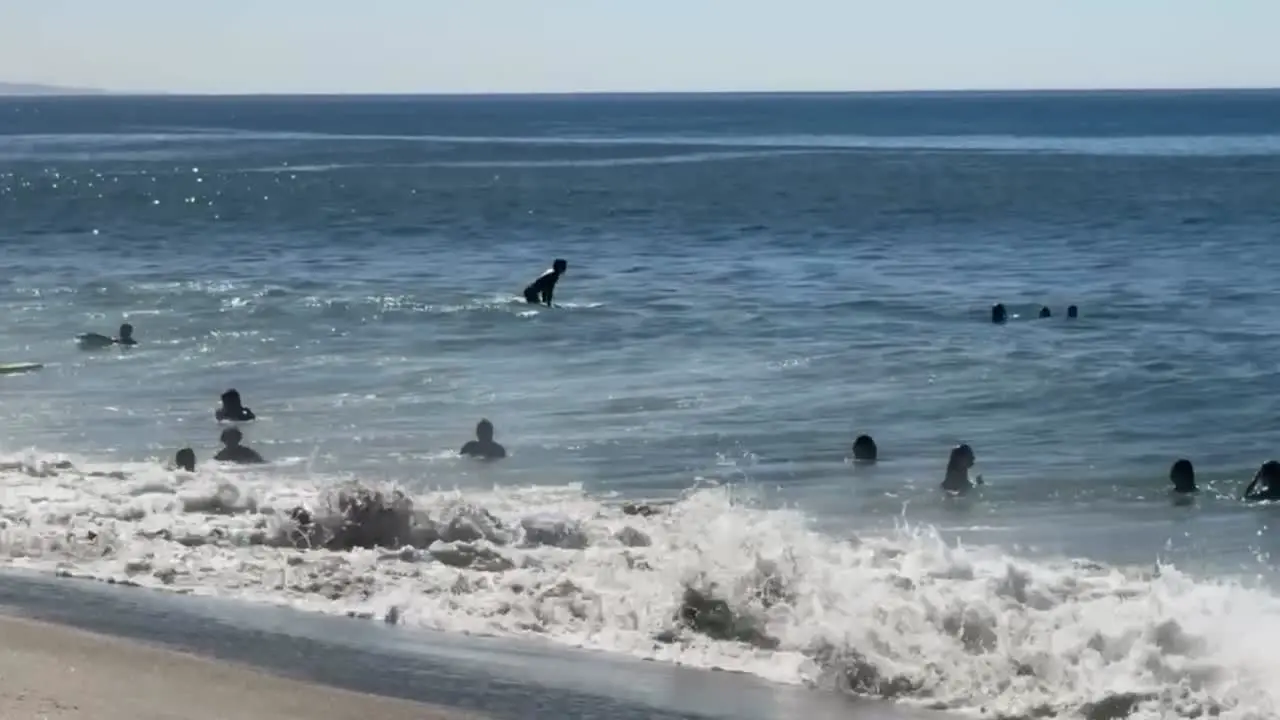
(50, 91)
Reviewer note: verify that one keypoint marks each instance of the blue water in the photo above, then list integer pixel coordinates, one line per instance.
(753, 280)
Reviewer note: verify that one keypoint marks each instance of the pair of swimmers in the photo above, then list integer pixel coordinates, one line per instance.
(231, 410)
(1000, 315)
(1264, 487)
(483, 447)
(956, 479)
(232, 452)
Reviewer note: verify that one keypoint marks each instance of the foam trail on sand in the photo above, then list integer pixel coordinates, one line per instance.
(708, 581)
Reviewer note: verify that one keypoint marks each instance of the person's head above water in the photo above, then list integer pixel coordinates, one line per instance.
(864, 449)
(1183, 476)
(234, 452)
(559, 265)
(126, 333)
(958, 465)
(1044, 312)
(1269, 473)
(484, 431)
(233, 408)
(998, 313)
(185, 460)
(1073, 311)
(231, 437)
(962, 457)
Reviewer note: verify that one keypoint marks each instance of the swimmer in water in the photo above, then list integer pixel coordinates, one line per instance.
(541, 290)
(232, 410)
(1183, 476)
(1044, 313)
(999, 314)
(1073, 312)
(483, 446)
(958, 465)
(234, 452)
(864, 449)
(1268, 477)
(185, 460)
(97, 340)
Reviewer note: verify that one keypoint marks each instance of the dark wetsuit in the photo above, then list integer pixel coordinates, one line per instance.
(240, 414)
(239, 454)
(486, 450)
(540, 291)
(1265, 485)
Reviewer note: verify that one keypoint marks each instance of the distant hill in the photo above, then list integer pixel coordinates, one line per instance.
(35, 89)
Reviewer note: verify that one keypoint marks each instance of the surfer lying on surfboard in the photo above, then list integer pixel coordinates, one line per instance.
(541, 290)
(96, 340)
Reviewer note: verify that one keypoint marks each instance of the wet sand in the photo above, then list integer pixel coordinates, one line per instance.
(438, 675)
(54, 672)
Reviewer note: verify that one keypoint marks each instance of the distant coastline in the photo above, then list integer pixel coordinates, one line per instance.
(7, 88)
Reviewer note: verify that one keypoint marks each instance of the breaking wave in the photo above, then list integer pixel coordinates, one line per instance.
(710, 580)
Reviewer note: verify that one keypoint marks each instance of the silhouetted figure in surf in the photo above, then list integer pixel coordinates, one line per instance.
(864, 449)
(958, 465)
(232, 410)
(1044, 313)
(1183, 476)
(97, 340)
(185, 460)
(1266, 483)
(483, 446)
(541, 290)
(1073, 312)
(998, 314)
(234, 452)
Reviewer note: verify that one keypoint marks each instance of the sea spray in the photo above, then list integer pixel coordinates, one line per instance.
(903, 616)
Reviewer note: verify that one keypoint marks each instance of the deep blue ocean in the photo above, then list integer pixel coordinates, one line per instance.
(752, 282)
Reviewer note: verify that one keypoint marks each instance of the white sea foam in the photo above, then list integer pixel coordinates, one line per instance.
(905, 616)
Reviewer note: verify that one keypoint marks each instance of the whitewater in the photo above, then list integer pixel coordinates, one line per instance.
(905, 616)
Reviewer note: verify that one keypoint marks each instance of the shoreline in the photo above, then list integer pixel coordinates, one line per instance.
(444, 675)
(57, 672)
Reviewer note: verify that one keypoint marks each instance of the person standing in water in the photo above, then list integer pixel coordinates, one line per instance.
(1266, 483)
(541, 290)
(232, 410)
(234, 452)
(483, 446)
(864, 449)
(1183, 476)
(958, 466)
(185, 460)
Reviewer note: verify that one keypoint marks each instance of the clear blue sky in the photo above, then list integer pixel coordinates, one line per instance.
(638, 45)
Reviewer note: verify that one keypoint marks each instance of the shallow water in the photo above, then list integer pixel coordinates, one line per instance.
(752, 282)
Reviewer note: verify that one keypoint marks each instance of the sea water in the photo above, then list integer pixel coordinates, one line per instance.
(753, 281)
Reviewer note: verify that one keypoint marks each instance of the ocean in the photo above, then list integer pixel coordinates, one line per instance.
(753, 281)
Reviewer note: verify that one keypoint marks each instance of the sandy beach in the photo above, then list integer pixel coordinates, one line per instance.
(53, 672)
